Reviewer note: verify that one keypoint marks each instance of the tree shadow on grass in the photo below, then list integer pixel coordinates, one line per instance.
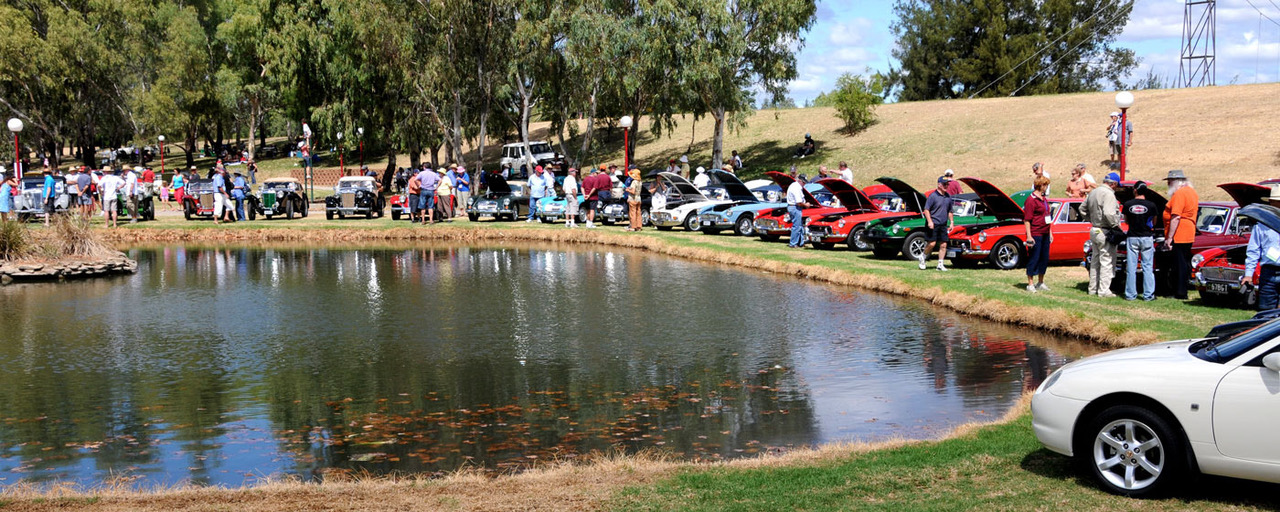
(1227, 491)
(774, 155)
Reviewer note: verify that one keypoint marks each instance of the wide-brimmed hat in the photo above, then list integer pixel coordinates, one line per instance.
(1176, 174)
(634, 174)
(1275, 194)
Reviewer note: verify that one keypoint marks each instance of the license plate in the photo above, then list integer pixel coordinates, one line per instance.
(1219, 288)
(706, 223)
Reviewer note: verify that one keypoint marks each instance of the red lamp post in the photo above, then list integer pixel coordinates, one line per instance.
(15, 126)
(625, 122)
(161, 154)
(342, 166)
(1124, 100)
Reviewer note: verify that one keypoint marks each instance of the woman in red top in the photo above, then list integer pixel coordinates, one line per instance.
(1035, 216)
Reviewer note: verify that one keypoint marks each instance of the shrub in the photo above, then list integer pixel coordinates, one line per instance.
(14, 242)
(71, 236)
(855, 99)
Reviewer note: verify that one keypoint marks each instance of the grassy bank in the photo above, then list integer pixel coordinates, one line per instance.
(997, 466)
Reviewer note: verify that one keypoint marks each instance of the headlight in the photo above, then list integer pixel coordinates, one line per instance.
(808, 220)
(1197, 260)
(982, 237)
(897, 229)
(1049, 382)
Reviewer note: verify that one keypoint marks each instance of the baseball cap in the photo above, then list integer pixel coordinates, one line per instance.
(537, 168)
(1113, 177)
(944, 179)
(949, 172)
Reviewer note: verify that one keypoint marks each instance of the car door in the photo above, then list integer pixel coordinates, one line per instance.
(1246, 411)
(1069, 233)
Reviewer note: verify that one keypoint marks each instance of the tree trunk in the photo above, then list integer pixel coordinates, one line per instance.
(455, 136)
(585, 152)
(190, 150)
(254, 110)
(717, 143)
(415, 153)
(435, 156)
(217, 148)
(389, 173)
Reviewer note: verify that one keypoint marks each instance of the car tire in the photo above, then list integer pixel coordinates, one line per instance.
(663, 228)
(395, 215)
(1007, 254)
(644, 218)
(267, 215)
(858, 239)
(1132, 451)
(885, 251)
(914, 246)
(305, 207)
(710, 231)
(691, 222)
(473, 217)
(744, 226)
(288, 210)
(544, 219)
(186, 211)
(253, 214)
(328, 214)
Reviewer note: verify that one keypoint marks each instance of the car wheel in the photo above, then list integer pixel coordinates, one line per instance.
(1006, 255)
(544, 219)
(663, 228)
(268, 215)
(644, 218)
(885, 250)
(691, 222)
(472, 217)
(305, 206)
(328, 214)
(1132, 451)
(253, 214)
(710, 231)
(744, 226)
(186, 211)
(395, 215)
(914, 246)
(858, 239)
(288, 210)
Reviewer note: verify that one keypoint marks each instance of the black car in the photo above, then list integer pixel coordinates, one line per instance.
(501, 199)
(355, 195)
(280, 196)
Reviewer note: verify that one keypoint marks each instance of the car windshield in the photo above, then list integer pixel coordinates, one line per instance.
(1230, 348)
(962, 207)
(539, 149)
(348, 186)
(1213, 219)
(516, 188)
(32, 184)
(279, 186)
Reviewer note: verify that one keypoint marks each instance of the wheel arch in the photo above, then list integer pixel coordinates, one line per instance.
(1080, 439)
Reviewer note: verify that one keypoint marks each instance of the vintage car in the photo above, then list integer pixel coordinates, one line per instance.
(1216, 271)
(766, 191)
(771, 224)
(615, 209)
(146, 205)
(280, 196)
(503, 200)
(355, 195)
(739, 214)
(198, 200)
(848, 226)
(1003, 242)
(554, 208)
(29, 202)
(905, 235)
(683, 200)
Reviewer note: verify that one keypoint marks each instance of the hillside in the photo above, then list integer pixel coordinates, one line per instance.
(1215, 134)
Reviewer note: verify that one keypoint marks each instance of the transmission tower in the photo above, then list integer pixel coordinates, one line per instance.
(1198, 65)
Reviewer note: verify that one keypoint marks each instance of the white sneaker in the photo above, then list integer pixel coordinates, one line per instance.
(529, 220)
(942, 268)
(1042, 287)
(922, 265)
(1031, 288)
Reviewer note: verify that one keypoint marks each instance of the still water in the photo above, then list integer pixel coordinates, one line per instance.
(226, 365)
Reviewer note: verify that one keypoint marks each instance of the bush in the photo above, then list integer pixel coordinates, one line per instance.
(14, 242)
(70, 235)
(855, 99)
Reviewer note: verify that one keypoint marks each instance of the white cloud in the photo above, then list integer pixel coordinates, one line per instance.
(805, 85)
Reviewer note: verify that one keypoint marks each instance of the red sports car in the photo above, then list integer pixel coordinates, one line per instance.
(1216, 270)
(1003, 243)
(775, 223)
(849, 226)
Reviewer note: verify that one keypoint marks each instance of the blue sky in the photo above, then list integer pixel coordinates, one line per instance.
(853, 35)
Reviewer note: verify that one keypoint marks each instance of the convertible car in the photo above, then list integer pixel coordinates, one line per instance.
(905, 235)
(29, 202)
(1216, 271)
(850, 226)
(683, 211)
(355, 195)
(280, 196)
(198, 199)
(847, 200)
(1003, 243)
(739, 214)
(503, 200)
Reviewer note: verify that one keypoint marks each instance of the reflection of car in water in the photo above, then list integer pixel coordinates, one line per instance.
(502, 200)
(29, 202)
(355, 195)
(280, 196)
(1140, 420)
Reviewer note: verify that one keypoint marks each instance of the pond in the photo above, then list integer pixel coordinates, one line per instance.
(226, 365)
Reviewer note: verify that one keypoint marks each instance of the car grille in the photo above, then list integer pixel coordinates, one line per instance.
(554, 208)
(820, 231)
(878, 232)
(768, 224)
(488, 207)
(206, 201)
(709, 217)
(614, 209)
(1221, 274)
(661, 216)
(348, 199)
(268, 199)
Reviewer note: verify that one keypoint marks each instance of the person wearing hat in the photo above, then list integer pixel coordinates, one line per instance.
(938, 216)
(444, 193)
(806, 148)
(49, 197)
(570, 188)
(795, 204)
(1180, 228)
(953, 185)
(110, 186)
(1139, 214)
(684, 166)
(461, 188)
(700, 178)
(1264, 250)
(84, 182)
(591, 191)
(239, 191)
(1102, 211)
(222, 208)
(8, 184)
(673, 167)
(1113, 137)
(633, 200)
(541, 185)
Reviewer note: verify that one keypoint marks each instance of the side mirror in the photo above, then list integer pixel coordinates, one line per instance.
(1272, 361)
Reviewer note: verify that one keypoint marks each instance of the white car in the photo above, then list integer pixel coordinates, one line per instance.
(1142, 418)
(686, 213)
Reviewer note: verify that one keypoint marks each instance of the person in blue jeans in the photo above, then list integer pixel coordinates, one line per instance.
(1039, 235)
(1264, 251)
(541, 185)
(795, 211)
(1139, 215)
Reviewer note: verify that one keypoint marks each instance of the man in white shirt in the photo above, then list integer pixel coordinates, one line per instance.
(846, 173)
(795, 203)
(110, 185)
(701, 180)
(131, 194)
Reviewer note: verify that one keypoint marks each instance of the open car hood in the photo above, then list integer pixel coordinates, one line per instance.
(850, 196)
(912, 199)
(784, 181)
(998, 204)
(1246, 194)
(1265, 214)
(1125, 193)
(497, 184)
(736, 189)
(684, 187)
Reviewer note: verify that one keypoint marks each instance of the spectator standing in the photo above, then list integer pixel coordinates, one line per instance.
(1264, 250)
(1081, 182)
(221, 202)
(1113, 137)
(846, 173)
(593, 187)
(684, 166)
(73, 189)
(110, 186)
(179, 188)
(701, 179)
(413, 189)
(673, 167)
(131, 193)
(953, 186)
(239, 190)
(541, 184)
(633, 201)
(938, 217)
(461, 188)
(1035, 216)
(1139, 214)
(1038, 171)
(1180, 227)
(84, 180)
(7, 185)
(570, 187)
(1102, 212)
(400, 180)
(795, 205)
(444, 194)
(49, 195)
(253, 172)
(428, 180)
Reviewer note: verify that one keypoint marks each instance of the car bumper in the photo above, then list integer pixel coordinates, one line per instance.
(824, 236)
(716, 223)
(1220, 288)
(1053, 418)
(490, 213)
(554, 215)
(961, 249)
(349, 211)
(666, 221)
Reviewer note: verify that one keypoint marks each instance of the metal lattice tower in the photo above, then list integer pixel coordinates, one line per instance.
(1198, 65)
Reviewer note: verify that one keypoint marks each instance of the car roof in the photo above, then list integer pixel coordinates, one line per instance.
(281, 180)
(355, 179)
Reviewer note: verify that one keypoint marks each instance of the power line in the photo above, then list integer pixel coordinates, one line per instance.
(1063, 56)
(1264, 15)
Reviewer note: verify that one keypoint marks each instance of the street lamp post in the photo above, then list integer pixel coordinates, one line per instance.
(360, 137)
(342, 167)
(15, 126)
(625, 123)
(1124, 100)
(161, 154)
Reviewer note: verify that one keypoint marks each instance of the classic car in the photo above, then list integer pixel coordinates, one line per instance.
(615, 209)
(146, 204)
(766, 191)
(905, 235)
(29, 202)
(1003, 243)
(355, 195)
(280, 196)
(554, 208)
(1141, 420)
(739, 214)
(1216, 271)
(771, 224)
(849, 226)
(198, 200)
(503, 200)
(683, 211)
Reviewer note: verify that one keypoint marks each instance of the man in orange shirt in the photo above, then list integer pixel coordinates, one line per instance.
(1180, 228)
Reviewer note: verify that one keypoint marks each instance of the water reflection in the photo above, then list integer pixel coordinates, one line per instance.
(222, 365)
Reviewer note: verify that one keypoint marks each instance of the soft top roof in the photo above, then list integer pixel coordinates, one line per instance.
(280, 180)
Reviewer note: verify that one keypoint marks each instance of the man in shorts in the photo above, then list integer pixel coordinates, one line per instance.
(85, 183)
(110, 186)
(937, 212)
(591, 192)
(50, 195)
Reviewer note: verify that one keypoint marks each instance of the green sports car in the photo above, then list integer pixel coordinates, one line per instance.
(893, 236)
